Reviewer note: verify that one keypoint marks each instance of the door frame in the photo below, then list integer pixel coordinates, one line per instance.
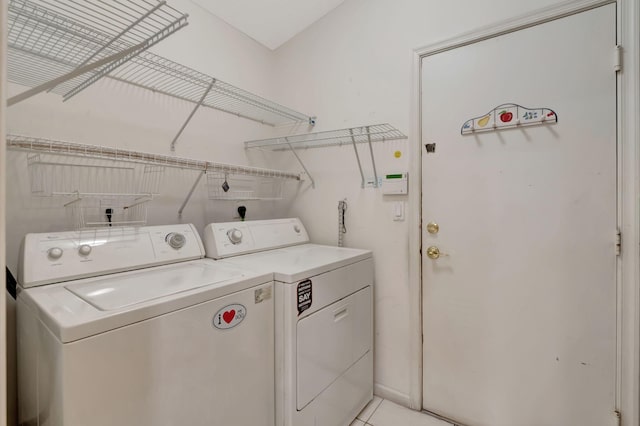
(628, 34)
(3, 310)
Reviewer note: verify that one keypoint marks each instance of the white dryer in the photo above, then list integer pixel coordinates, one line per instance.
(131, 327)
(324, 322)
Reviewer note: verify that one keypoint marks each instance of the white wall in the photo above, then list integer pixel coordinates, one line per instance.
(354, 67)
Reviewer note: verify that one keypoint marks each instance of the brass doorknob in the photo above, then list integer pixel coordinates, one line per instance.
(433, 252)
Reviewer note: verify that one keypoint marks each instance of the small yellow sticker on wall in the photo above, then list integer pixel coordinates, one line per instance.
(397, 154)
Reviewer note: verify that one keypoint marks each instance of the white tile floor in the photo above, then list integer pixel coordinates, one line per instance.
(381, 412)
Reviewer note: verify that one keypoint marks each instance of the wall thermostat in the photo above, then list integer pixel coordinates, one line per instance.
(395, 184)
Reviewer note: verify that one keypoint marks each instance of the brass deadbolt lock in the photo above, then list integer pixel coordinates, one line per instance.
(433, 228)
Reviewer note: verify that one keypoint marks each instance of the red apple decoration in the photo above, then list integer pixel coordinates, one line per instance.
(506, 117)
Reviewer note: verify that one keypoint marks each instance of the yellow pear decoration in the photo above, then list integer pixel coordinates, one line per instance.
(484, 120)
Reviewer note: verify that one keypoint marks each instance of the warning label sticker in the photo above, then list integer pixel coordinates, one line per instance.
(304, 295)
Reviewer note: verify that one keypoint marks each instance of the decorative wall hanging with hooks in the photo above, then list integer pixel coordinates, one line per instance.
(507, 116)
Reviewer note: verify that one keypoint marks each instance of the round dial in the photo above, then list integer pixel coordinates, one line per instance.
(296, 228)
(176, 240)
(84, 250)
(55, 253)
(235, 235)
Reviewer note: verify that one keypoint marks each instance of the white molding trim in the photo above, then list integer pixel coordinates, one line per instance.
(414, 218)
(521, 22)
(629, 24)
(629, 104)
(392, 395)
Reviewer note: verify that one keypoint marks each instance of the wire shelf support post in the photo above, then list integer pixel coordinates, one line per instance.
(313, 182)
(191, 191)
(198, 105)
(373, 159)
(355, 149)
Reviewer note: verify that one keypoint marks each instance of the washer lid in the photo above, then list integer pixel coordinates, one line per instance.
(112, 293)
(292, 264)
(87, 307)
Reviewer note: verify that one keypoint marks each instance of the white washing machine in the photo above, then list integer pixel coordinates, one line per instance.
(174, 340)
(324, 322)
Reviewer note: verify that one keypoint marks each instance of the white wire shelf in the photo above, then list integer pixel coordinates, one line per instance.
(352, 136)
(224, 186)
(363, 134)
(52, 175)
(164, 76)
(49, 39)
(103, 211)
(96, 192)
(100, 178)
(32, 144)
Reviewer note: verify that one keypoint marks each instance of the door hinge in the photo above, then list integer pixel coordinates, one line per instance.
(618, 416)
(617, 59)
(618, 242)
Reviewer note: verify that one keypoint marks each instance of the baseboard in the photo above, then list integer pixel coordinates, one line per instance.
(392, 395)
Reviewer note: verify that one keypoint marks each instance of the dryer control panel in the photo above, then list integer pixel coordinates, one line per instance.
(235, 238)
(62, 256)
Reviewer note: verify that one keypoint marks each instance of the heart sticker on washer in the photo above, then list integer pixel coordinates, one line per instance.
(229, 316)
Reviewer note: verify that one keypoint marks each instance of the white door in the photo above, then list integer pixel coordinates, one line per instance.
(520, 309)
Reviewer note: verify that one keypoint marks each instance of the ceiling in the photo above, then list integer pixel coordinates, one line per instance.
(269, 22)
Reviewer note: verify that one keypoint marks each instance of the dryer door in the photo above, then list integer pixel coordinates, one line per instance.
(330, 341)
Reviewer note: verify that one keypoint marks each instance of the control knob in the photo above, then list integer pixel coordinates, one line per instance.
(235, 235)
(55, 253)
(175, 240)
(84, 250)
(296, 228)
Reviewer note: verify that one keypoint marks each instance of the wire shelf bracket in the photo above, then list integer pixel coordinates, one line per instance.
(65, 46)
(190, 193)
(198, 105)
(313, 182)
(353, 136)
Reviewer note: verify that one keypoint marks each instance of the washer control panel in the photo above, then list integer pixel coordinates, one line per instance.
(62, 256)
(235, 238)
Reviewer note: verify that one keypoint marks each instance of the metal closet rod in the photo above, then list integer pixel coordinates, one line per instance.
(28, 143)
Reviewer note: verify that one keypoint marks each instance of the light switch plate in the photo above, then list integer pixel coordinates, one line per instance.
(398, 211)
